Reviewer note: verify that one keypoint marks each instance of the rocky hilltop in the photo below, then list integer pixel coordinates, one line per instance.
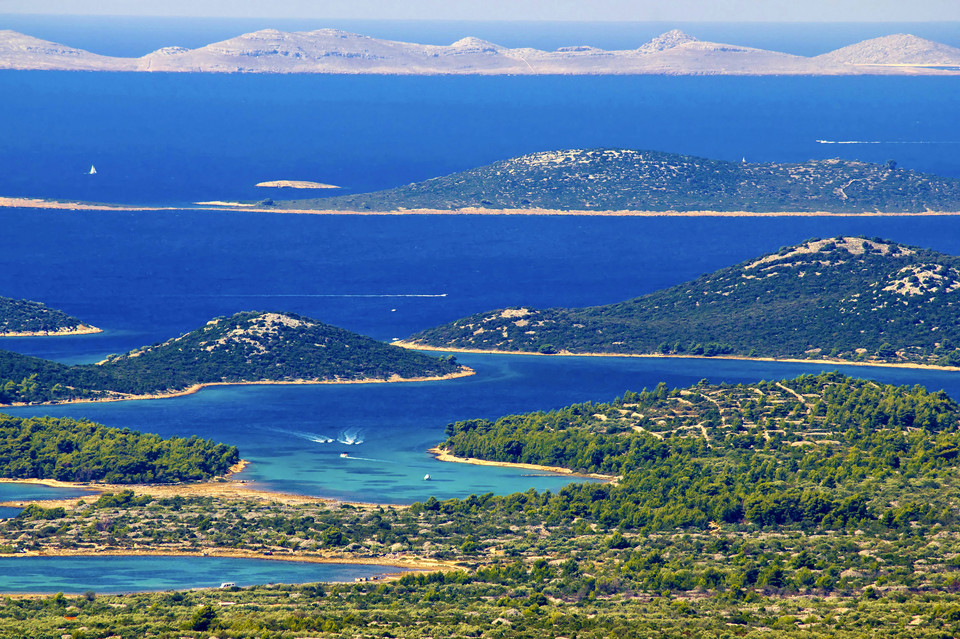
(897, 49)
(335, 51)
(843, 298)
(635, 180)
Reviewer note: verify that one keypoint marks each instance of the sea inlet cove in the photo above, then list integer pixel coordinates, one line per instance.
(320, 333)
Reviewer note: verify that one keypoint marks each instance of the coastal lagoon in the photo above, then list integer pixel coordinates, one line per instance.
(18, 491)
(117, 574)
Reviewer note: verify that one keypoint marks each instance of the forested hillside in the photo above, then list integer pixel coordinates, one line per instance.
(843, 299)
(26, 317)
(76, 450)
(816, 451)
(246, 347)
(635, 180)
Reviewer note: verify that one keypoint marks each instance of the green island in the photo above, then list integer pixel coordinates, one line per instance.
(26, 317)
(82, 451)
(844, 299)
(636, 180)
(822, 506)
(249, 347)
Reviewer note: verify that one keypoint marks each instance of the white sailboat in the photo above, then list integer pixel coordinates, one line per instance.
(93, 170)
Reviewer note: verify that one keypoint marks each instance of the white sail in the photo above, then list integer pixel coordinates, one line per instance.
(93, 170)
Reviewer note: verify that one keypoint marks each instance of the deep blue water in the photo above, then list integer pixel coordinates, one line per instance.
(145, 277)
(106, 575)
(176, 138)
(179, 138)
(148, 277)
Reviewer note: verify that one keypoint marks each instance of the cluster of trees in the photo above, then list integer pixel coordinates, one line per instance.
(449, 605)
(615, 180)
(827, 303)
(792, 463)
(25, 316)
(72, 450)
(242, 348)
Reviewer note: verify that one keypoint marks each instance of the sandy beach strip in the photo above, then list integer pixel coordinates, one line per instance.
(441, 454)
(217, 205)
(296, 184)
(408, 563)
(449, 349)
(222, 203)
(219, 487)
(39, 203)
(120, 397)
(82, 329)
(598, 213)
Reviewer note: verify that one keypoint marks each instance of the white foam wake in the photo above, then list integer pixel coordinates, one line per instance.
(888, 141)
(350, 437)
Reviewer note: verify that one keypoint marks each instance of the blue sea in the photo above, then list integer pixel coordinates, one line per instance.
(172, 139)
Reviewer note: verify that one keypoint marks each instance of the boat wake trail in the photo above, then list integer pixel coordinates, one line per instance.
(350, 437)
(341, 295)
(370, 459)
(313, 437)
(888, 141)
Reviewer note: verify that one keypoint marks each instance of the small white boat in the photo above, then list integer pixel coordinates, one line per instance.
(93, 170)
(426, 477)
(344, 455)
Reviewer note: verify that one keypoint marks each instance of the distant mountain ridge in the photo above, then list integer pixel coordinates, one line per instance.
(842, 298)
(335, 51)
(640, 180)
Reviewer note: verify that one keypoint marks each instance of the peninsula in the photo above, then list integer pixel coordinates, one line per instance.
(334, 51)
(843, 299)
(22, 318)
(246, 348)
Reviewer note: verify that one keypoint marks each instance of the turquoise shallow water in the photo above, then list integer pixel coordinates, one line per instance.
(27, 492)
(136, 574)
(283, 430)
